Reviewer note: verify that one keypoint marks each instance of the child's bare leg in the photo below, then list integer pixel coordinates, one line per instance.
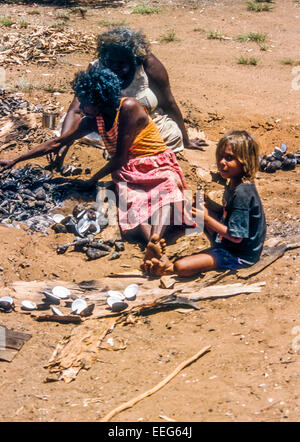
(194, 264)
(156, 246)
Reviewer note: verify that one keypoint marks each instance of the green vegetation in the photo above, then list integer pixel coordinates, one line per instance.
(24, 86)
(51, 88)
(33, 12)
(263, 47)
(23, 24)
(203, 31)
(79, 10)
(169, 36)
(252, 61)
(259, 7)
(108, 23)
(146, 10)
(60, 16)
(59, 26)
(6, 21)
(215, 35)
(287, 61)
(252, 36)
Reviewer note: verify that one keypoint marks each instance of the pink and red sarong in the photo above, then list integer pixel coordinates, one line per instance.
(145, 184)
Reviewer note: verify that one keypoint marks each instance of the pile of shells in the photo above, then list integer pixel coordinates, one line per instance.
(279, 159)
(118, 301)
(27, 195)
(45, 45)
(10, 103)
(85, 224)
(52, 298)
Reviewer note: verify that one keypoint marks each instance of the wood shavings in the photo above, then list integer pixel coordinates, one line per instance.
(43, 46)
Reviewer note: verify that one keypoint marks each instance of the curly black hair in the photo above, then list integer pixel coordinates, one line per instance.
(97, 85)
(130, 40)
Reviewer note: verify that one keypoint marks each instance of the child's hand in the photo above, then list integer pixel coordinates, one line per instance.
(200, 212)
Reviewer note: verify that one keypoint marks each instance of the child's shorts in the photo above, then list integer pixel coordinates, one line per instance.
(225, 260)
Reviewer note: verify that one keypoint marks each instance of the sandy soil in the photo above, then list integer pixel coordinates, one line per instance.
(252, 371)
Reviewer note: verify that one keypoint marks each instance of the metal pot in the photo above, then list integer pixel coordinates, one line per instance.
(49, 120)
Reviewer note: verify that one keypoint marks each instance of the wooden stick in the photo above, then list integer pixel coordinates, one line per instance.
(67, 319)
(157, 387)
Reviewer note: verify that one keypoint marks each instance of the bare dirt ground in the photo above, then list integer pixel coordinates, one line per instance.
(252, 371)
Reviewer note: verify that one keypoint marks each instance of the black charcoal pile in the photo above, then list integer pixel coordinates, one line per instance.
(11, 103)
(28, 195)
(279, 159)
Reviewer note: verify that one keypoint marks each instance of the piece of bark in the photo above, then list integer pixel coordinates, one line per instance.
(11, 343)
(269, 255)
(224, 291)
(15, 340)
(66, 319)
(7, 355)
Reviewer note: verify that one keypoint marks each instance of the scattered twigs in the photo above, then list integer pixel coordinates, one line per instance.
(157, 387)
(167, 418)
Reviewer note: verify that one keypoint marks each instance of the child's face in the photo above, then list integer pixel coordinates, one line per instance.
(228, 165)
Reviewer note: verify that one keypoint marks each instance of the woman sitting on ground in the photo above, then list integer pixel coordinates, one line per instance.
(142, 76)
(148, 178)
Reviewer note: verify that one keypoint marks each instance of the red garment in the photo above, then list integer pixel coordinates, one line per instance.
(146, 182)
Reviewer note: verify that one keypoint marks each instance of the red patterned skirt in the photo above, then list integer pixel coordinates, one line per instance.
(145, 184)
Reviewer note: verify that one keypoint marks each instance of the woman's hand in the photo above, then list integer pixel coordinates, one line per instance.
(7, 164)
(196, 144)
(82, 185)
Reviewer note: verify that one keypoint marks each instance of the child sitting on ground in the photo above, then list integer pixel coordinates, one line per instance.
(240, 235)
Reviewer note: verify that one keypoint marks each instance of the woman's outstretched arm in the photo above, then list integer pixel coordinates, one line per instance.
(51, 146)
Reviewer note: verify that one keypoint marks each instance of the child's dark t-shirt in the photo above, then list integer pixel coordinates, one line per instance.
(244, 216)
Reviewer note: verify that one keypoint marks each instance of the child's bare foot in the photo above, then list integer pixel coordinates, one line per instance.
(155, 248)
(159, 267)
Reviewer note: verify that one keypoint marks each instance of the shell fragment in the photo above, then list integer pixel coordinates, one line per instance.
(131, 291)
(116, 304)
(78, 306)
(61, 292)
(56, 311)
(28, 305)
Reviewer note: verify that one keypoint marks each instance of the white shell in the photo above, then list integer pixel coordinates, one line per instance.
(78, 305)
(61, 292)
(58, 217)
(131, 291)
(115, 294)
(49, 295)
(116, 304)
(56, 311)
(28, 305)
(283, 148)
(277, 152)
(7, 299)
(84, 224)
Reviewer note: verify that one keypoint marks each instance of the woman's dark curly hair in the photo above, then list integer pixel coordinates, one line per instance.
(132, 41)
(97, 85)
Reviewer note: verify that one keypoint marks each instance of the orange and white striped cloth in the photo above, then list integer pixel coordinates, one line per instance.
(147, 142)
